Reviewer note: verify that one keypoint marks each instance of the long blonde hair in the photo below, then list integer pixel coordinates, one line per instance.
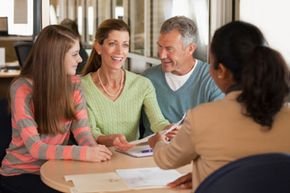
(52, 87)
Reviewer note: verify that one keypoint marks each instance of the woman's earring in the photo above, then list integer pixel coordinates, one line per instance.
(219, 76)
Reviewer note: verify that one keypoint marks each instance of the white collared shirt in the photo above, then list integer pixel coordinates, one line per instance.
(175, 81)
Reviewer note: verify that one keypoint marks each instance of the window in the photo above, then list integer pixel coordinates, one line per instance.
(273, 24)
(20, 16)
(144, 18)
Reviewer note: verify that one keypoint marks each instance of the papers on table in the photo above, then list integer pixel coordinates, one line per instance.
(141, 178)
(122, 180)
(141, 141)
(138, 151)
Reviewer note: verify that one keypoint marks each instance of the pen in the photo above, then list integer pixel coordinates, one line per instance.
(147, 150)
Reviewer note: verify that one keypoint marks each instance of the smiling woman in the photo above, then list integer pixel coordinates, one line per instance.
(116, 96)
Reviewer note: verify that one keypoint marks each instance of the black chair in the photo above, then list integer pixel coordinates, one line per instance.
(22, 49)
(5, 131)
(5, 127)
(264, 173)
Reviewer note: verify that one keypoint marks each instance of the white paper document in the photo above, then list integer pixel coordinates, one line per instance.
(138, 151)
(143, 140)
(141, 178)
(163, 132)
(122, 180)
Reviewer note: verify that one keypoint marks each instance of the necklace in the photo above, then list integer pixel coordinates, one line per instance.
(106, 91)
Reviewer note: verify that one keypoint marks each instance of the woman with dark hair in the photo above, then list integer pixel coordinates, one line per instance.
(253, 117)
(46, 104)
(114, 95)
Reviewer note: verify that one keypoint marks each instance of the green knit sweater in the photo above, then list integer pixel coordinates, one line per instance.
(123, 115)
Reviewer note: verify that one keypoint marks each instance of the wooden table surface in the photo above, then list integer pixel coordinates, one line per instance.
(53, 171)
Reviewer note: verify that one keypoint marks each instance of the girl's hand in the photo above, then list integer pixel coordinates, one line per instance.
(98, 153)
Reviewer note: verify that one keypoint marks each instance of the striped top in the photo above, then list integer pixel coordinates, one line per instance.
(28, 149)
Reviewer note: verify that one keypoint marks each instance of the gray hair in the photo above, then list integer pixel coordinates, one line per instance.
(186, 27)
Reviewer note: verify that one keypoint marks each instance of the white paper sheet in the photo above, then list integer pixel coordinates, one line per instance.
(142, 178)
(138, 151)
(163, 132)
(122, 180)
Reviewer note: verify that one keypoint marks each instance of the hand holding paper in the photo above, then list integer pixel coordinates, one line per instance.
(160, 136)
(171, 134)
(174, 126)
(163, 132)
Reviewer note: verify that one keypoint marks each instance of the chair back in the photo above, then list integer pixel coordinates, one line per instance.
(5, 128)
(22, 49)
(264, 173)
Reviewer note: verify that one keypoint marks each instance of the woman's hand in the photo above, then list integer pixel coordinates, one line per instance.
(98, 153)
(170, 135)
(120, 142)
(184, 182)
(154, 139)
(117, 140)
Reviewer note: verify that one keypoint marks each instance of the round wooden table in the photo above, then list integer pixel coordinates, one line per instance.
(53, 171)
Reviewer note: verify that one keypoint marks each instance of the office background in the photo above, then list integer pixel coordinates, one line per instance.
(27, 17)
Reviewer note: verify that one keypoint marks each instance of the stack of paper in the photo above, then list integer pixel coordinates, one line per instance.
(122, 180)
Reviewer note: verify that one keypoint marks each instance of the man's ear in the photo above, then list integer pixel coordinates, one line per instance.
(192, 47)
